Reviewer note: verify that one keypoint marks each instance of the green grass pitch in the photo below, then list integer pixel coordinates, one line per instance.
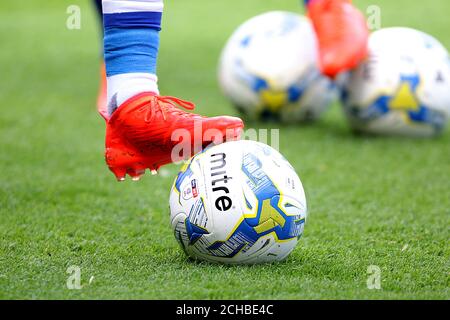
(372, 201)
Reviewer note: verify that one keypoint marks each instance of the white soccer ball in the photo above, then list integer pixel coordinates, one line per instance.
(403, 88)
(238, 203)
(269, 69)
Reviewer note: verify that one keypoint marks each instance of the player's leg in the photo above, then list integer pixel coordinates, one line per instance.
(342, 34)
(140, 123)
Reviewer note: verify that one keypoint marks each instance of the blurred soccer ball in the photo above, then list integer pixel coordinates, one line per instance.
(404, 86)
(269, 69)
(238, 202)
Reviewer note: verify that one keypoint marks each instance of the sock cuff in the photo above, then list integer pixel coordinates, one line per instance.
(133, 20)
(132, 14)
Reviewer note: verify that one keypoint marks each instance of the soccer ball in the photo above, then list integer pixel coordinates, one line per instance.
(269, 69)
(239, 202)
(403, 88)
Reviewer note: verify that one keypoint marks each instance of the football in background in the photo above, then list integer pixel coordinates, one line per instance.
(269, 69)
(403, 88)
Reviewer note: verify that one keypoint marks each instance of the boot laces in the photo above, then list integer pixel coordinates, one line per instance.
(167, 104)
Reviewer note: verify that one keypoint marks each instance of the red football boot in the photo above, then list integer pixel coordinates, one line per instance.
(342, 35)
(146, 132)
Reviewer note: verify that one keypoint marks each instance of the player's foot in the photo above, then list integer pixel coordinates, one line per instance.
(342, 34)
(139, 133)
(102, 93)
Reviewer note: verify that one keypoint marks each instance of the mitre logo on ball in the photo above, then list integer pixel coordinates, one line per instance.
(219, 178)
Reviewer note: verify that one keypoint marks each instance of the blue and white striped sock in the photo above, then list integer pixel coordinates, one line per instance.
(131, 44)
